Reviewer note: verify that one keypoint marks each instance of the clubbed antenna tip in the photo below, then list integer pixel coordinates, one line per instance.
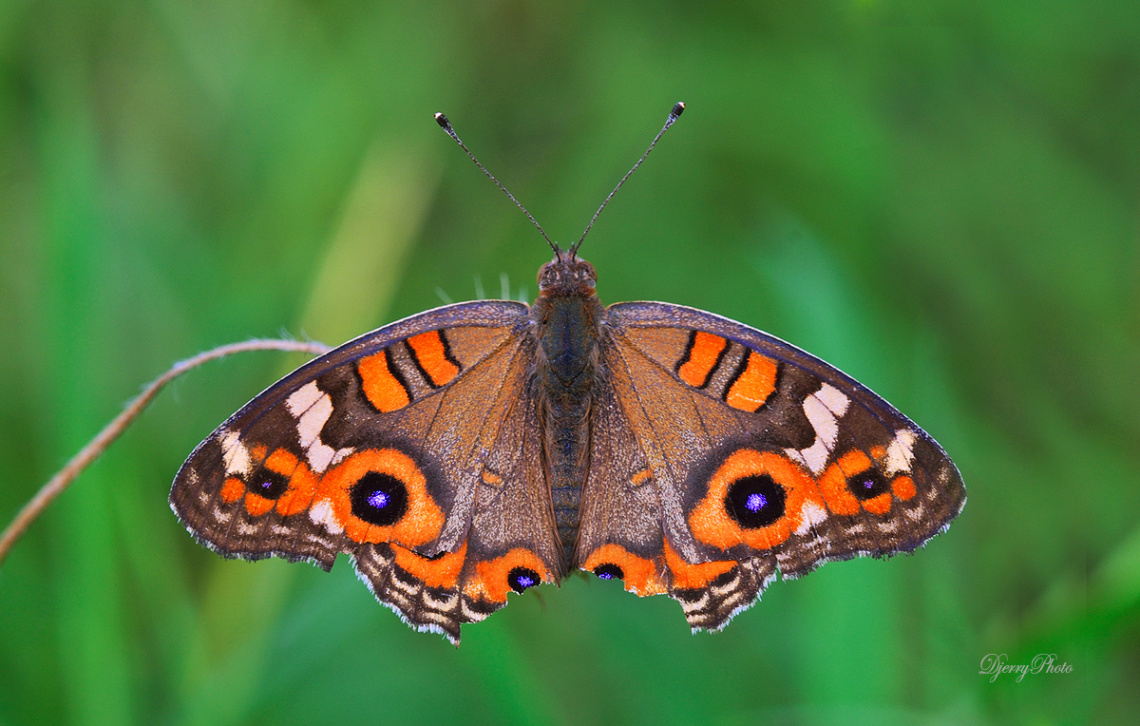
(445, 124)
(678, 109)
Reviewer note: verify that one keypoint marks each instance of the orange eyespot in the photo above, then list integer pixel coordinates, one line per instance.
(854, 483)
(757, 498)
(301, 483)
(380, 495)
(614, 562)
(266, 484)
(518, 570)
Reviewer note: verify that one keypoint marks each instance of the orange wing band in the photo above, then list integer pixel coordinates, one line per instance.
(754, 383)
(701, 358)
(687, 576)
(431, 352)
(383, 385)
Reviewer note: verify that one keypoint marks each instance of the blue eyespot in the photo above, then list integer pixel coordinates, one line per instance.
(867, 485)
(270, 484)
(378, 498)
(521, 578)
(755, 501)
(609, 571)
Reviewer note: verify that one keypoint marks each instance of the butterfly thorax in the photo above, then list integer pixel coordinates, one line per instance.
(568, 315)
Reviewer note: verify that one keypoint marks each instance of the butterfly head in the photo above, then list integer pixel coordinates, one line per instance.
(567, 275)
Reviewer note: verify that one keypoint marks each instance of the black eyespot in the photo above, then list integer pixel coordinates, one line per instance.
(755, 501)
(269, 484)
(609, 571)
(867, 485)
(379, 499)
(520, 578)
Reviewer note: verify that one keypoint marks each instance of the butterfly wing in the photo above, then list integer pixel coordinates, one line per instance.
(389, 449)
(743, 456)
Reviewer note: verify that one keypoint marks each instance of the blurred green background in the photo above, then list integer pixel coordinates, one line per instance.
(943, 201)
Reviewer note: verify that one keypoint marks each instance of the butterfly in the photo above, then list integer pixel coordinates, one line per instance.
(487, 447)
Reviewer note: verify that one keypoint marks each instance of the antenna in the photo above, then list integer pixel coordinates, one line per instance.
(446, 126)
(675, 114)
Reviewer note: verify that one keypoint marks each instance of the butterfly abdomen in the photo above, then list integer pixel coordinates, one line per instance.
(567, 363)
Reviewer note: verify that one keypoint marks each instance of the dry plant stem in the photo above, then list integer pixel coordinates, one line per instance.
(97, 445)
